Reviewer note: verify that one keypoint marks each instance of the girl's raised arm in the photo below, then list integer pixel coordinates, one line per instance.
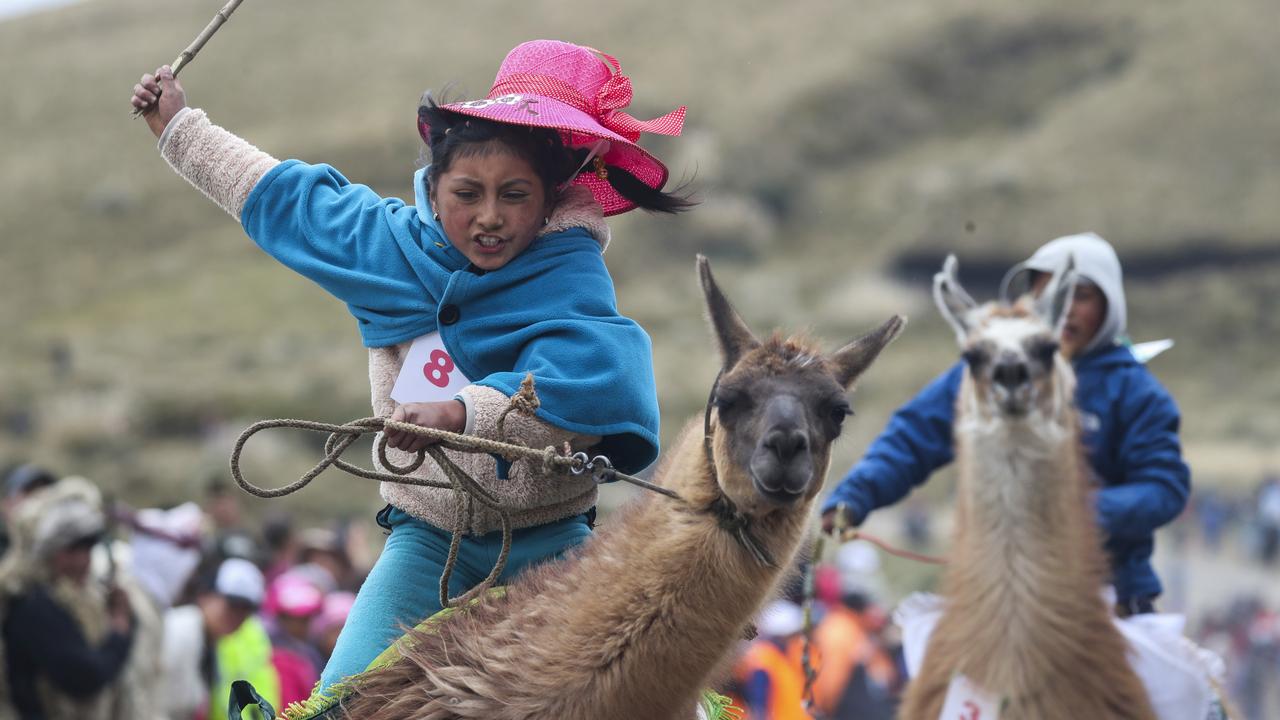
(343, 236)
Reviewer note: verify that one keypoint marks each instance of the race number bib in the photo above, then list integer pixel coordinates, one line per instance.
(966, 701)
(428, 373)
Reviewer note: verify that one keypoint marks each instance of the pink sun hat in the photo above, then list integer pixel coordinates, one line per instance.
(581, 92)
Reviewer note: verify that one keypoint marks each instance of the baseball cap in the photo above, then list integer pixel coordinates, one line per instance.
(240, 579)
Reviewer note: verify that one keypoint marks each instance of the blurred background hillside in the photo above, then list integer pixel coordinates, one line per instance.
(841, 150)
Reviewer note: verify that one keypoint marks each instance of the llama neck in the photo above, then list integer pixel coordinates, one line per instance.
(1016, 476)
(1026, 566)
(1022, 515)
(682, 589)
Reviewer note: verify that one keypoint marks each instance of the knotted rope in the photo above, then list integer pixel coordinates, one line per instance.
(842, 533)
(808, 669)
(466, 490)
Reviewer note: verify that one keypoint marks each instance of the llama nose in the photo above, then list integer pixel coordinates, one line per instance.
(786, 444)
(1010, 374)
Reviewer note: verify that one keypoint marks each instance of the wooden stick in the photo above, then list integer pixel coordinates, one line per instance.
(190, 53)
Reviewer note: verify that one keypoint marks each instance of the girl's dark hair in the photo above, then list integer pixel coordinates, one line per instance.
(453, 135)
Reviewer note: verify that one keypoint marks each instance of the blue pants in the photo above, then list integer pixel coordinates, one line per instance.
(404, 586)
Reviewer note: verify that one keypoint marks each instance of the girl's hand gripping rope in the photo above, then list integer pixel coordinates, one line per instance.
(449, 415)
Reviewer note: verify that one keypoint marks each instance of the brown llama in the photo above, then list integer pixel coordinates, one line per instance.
(1024, 616)
(633, 624)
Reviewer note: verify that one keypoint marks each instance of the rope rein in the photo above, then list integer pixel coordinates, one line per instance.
(810, 596)
(842, 533)
(730, 519)
(467, 492)
(851, 534)
(342, 436)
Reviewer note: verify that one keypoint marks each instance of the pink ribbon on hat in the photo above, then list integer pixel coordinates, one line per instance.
(612, 96)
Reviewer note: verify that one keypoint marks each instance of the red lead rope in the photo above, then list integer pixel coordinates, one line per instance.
(856, 534)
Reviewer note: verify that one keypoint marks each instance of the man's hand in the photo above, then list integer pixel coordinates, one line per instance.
(159, 97)
(449, 415)
(829, 518)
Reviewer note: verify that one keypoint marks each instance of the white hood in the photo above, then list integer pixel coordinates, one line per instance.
(1096, 261)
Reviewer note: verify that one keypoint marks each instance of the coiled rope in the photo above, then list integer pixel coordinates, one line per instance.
(466, 490)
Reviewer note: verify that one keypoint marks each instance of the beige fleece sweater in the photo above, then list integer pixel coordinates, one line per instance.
(225, 168)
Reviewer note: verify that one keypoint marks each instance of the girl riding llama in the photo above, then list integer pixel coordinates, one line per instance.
(496, 271)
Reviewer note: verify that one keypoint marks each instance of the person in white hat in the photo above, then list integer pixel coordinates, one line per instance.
(192, 633)
(767, 676)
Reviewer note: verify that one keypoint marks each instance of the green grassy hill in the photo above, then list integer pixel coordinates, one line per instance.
(841, 150)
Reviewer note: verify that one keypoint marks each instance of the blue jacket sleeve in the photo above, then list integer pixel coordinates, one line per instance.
(343, 236)
(593, 367)
(1156, 481)
(917, 441)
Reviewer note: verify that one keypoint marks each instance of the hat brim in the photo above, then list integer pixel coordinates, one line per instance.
(243, 603)
(579, 129)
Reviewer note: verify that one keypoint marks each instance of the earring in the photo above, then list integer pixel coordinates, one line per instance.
(436, 216)
(546, 221)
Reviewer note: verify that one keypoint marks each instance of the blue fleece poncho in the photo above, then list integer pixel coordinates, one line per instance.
(551, 311)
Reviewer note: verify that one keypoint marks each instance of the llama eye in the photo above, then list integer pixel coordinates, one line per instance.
(838, 413)
(974, 357)
(727, 400)
(1044, 350)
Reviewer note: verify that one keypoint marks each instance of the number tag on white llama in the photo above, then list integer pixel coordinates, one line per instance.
(428, 373)
(966, 701)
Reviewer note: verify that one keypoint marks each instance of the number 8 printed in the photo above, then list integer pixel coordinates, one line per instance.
(438, 368)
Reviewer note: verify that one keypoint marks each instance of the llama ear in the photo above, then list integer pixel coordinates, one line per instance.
(952, 300)
(1055, 300)
(733, 336)
(853, 359)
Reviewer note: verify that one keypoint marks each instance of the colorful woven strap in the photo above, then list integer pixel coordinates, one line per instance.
(719, 707)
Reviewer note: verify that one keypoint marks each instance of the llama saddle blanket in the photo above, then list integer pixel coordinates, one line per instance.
(1176, 671)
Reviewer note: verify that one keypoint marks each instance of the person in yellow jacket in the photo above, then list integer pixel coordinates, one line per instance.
(215, 642)
(771, 685)
(244, 655)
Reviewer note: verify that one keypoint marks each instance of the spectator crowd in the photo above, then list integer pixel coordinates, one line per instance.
(108, 612)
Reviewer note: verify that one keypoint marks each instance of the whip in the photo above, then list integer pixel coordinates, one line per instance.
(186, 56)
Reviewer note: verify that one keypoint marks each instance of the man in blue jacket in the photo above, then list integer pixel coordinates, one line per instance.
(1129, 423)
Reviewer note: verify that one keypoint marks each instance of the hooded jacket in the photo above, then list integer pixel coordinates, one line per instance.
(1096, 261)
(1129, 429)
